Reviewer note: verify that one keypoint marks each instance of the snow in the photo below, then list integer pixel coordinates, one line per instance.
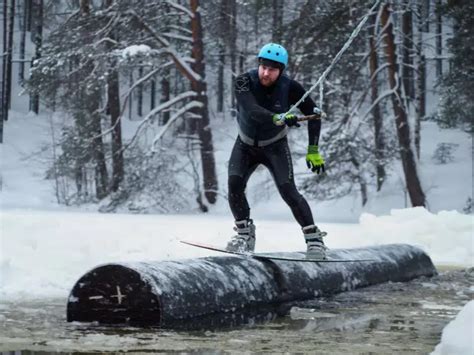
(45, 247)
(131, 51)
(457, 335)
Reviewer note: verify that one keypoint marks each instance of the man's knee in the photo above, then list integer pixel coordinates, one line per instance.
(236, 184)
(290, 194)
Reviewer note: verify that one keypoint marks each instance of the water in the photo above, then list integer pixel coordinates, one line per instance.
(382, 319)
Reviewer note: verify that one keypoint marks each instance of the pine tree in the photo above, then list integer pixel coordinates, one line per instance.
(457, 97)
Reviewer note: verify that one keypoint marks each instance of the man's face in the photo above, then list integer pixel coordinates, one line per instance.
(267, 75)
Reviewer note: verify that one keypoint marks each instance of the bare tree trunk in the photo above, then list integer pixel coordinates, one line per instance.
(4, 65)
(256, 19)
(140, 94)
(130, 100)
(93, 117)
(277, 21)
(199, 86)
(152, 93)
(378, 119)
(223, 26)
(97, 146)
(165, 94)
(426, 14)
(24, 23)
(439, 40)
(407, 50)
(38, 40)
(9, 55)
(412, 180)
(360, 179)
(114, 109)
(233, 46)
(420, 81)
(113, 104)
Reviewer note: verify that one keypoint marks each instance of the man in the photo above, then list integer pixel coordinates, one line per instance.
(263, 96)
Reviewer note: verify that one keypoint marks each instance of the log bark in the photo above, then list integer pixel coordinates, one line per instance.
(184, 293)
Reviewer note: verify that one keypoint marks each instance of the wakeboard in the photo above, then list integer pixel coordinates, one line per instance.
(294, 256)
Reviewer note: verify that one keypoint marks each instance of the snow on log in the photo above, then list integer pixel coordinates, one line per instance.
(165, 293)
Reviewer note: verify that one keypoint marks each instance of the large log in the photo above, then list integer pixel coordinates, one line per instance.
(165, 293)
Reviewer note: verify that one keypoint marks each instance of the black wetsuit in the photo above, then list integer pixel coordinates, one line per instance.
(261, 142)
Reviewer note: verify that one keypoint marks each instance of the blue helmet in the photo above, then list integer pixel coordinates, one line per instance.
(275, 52)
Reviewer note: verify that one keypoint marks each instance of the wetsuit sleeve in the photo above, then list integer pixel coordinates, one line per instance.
(247, 101)
(307, 108)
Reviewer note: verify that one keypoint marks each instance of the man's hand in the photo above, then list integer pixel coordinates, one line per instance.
(314, 160)
(289, 119)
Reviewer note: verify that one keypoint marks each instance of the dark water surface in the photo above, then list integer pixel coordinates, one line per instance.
(384, 319)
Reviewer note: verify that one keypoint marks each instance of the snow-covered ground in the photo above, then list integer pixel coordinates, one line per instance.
(457, 335)
(45, 248)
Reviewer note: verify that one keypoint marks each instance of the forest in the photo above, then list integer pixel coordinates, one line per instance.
(135, 87)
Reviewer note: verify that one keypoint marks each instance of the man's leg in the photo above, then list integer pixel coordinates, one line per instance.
(281, 166)
(241, 166)
(278, 161)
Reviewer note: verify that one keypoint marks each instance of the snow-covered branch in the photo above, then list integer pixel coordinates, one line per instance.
(180, 8)
(181, 28)
(104, 40)
(160, 108)
(189, 106)
(379, 98)
(178, 36)
(183, 67)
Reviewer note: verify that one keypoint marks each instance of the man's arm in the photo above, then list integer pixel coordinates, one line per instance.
(247, 101)
(307, 108)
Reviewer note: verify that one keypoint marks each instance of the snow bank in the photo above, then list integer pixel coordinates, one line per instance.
(446, 236)
(43, 253)
(457, 335)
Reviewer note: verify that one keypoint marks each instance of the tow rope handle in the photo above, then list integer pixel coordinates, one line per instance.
(318, 115)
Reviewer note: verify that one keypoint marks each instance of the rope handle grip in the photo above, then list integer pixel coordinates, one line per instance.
(316, 116)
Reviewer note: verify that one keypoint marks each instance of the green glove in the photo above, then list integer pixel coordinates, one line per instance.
(289, 119)
(314, 160)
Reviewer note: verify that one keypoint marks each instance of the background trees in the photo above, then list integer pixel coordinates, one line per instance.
(164, 69)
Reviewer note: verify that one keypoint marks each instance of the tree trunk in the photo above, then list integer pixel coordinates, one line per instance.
(165, 94)
(38, 40)
(439, 40)
(361, 180)
(223, 30)
(376, 112)
(94, 128)
(277, 21)
(113, 104)
(407, 50)
(152, 93)
(114, 109)
(204, 130)
(97, 146)
(21, 69)
(420, 81)
(426, 15)
(233, 47)
(412, 180)
(130, 100)
(140, 94)
(9, 55)
(4, 65)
